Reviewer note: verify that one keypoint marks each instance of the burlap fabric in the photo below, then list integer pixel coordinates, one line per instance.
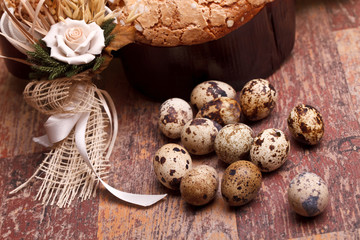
(63, 173)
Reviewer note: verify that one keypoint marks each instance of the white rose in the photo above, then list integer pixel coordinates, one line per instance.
(74, 41)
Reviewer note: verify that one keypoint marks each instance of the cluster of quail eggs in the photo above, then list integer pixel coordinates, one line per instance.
(216, 127)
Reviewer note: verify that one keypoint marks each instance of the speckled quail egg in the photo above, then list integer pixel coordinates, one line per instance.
(171, 162)
(306, 124)
(233, 142)
(240, 183)
(198, 135)
(257, 99)
(199, 185)
(174, 114)
(308, 194)
(222, 110)
(270, 150)
(209, 90)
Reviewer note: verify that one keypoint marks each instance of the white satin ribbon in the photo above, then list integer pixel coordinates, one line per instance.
(58, 127)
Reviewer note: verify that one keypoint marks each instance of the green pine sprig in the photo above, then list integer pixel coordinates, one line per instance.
(98, 62)
(108, 26)
(108, 39)
(44, 66)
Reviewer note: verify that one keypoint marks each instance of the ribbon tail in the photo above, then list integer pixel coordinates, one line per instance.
(57, 128)
(138, 199)
(43, 140)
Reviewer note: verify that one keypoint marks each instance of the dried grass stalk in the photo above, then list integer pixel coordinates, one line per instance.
(64, 173)
(39, 15)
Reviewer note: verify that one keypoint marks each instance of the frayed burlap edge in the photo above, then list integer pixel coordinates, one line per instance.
(63, 173)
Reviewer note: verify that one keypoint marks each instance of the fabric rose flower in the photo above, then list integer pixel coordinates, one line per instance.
(74, 41)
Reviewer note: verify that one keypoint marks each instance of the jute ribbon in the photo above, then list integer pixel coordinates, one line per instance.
(80, 114)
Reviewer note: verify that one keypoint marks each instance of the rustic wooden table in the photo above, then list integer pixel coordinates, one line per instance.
(323, 71)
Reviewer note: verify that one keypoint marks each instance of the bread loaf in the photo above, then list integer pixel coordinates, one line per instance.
(187, 22)
(234, 54)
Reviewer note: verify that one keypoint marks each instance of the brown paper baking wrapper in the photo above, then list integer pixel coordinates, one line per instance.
(17, 69)
(256, 49)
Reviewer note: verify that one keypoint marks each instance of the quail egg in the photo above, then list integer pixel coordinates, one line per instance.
(308, 194)
(198, 135)
(240, 183)
(174, 114)
(199, 185)
(209, 90)
(223, 110)
(257, 99)
(171, 162)
(306, 124)
(270, 150)
(233, 142)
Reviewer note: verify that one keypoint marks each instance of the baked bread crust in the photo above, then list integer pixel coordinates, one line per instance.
(188, 22)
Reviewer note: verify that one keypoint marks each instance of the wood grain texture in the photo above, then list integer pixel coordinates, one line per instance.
(132, 171)
(348, 45)
(333, 236)
(343, 14)
(22, 217)
(323, 71)
(12, 128)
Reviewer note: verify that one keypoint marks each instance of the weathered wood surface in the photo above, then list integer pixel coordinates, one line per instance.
(323, 71)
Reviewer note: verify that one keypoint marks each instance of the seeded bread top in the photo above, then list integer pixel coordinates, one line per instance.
(188, 22)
